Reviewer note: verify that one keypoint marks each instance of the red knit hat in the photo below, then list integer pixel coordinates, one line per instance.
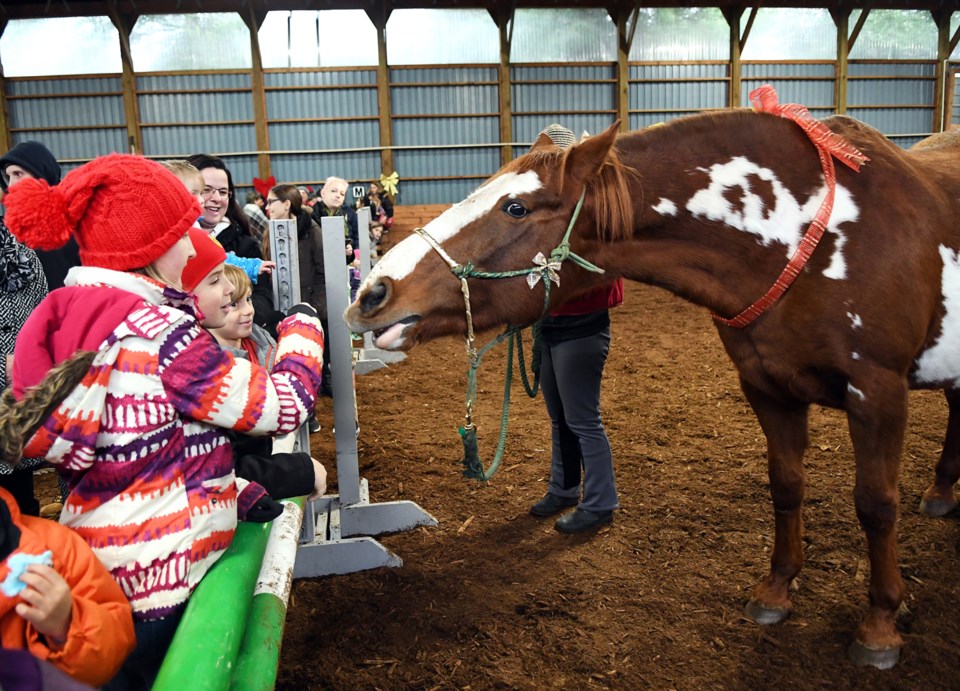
(210, 253)
(124, 210)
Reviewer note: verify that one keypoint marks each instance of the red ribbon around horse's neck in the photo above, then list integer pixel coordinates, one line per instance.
(829, 145)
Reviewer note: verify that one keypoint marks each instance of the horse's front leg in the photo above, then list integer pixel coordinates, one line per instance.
(877, 415)
(785, 425)
(938, 500)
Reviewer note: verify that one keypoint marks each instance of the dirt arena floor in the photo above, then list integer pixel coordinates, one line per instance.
(494, 598)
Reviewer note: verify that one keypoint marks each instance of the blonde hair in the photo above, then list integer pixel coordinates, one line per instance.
(186, 172)
(241, 282)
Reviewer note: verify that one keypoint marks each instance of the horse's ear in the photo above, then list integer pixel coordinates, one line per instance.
(543, 141)
(586, 158)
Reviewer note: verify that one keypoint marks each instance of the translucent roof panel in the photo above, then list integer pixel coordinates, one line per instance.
(205, 41)
(442, 37)
(318, 38)
(790, 33)
(680, 34)
(563, 35)
(84, 45)
(895, 35)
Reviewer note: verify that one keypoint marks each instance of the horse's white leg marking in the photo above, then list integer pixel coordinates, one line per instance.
(401, 260)
(940, 363)
(666, 207)
(785, 223)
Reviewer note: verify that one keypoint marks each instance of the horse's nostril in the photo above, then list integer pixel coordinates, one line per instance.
(373, 297)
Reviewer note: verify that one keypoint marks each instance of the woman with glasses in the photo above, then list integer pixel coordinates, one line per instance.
(225, 220)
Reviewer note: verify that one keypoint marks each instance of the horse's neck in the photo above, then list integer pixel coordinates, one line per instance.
(705, 202)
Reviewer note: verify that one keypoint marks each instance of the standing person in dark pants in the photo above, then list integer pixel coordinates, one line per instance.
(575, 340)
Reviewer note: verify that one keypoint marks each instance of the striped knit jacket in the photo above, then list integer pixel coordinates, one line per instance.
(151, 473)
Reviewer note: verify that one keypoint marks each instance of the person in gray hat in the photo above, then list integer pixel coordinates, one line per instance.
(33, 160)
(574, 342)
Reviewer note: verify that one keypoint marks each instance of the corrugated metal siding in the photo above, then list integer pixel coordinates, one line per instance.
(865, 68)
(446, 131)
(293, 136)
(313, 168)
(447, 162)
(672, 91)
(195, 107)
(81, 144)
(320, 78)
(580, 97)
(91, 107)
(894, 121)
(321, 103)
(443, 75)
(809, 84)
(196, 81)
(177, 141)
(461, 99)
(436, 191)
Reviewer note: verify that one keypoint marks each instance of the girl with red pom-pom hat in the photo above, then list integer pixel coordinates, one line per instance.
(118, 385)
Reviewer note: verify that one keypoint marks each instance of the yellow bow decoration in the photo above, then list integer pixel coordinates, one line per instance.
(548, 270)
(388, 183)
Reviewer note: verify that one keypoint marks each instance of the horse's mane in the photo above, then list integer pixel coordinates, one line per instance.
(609, 190)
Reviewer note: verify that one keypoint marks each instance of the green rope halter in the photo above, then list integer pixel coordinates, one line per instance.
(544, 269)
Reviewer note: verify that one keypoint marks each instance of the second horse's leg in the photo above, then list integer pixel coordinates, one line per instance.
(785, 425)
(938, 500)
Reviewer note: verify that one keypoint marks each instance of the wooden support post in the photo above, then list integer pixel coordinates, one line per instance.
(732, 15)
(945, 46)
(379, 15)
(5, 142)
(626, 22)
(841, 18)
(254, 19)
(131, 107)
(504, 20)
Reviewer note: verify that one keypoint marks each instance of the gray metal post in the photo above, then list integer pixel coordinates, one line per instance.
(341, 359)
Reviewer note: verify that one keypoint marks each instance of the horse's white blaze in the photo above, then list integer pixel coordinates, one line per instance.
(666, 208)
(402, 259)
(941, 361)
(855, 321)
(856, 392)
(855, 355)
(785, 223)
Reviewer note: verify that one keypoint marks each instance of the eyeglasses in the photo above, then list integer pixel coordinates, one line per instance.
(271, 201)
(222, 191)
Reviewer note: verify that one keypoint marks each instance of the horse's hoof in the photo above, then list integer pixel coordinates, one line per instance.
(881, 658)
(764, 615)
(937, 506)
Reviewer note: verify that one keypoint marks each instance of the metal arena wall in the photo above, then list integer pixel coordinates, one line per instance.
(444, 120)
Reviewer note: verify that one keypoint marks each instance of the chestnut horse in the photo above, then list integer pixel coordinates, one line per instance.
(712, 207)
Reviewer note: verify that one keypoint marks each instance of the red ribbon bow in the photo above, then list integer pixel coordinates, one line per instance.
(264, 186)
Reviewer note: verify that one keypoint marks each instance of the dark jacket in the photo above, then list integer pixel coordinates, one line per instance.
(350, 232)
(313, 277)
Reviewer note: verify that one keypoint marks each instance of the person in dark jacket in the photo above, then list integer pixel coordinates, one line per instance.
(330, 203)
(33, 160)
(225, 220)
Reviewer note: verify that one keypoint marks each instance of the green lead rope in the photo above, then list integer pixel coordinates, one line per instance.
(472, 465)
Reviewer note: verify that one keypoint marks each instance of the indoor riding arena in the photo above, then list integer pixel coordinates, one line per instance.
(408, 574)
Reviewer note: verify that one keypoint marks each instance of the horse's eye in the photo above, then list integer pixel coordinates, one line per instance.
(515, 209)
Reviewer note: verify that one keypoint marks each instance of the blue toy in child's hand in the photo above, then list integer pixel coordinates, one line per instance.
(18, 563)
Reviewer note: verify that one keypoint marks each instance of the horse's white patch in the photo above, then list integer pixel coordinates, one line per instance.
(401, 260)
(856, 392)
(785, 223)
(666, 208)
(941, 361)
(855, 320)
(854, 355)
